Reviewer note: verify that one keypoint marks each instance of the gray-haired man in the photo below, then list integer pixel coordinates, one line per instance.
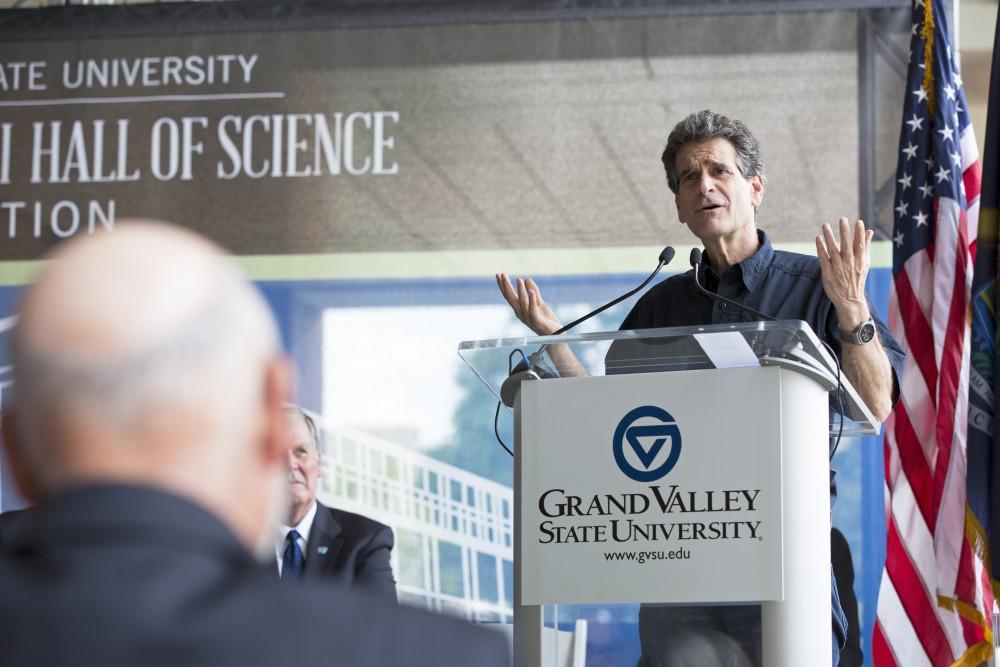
(321, 542)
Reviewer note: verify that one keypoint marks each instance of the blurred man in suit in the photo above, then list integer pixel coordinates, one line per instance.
(149, 427)
(321, 542)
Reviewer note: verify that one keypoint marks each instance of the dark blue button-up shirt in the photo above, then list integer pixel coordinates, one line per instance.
(785, 285)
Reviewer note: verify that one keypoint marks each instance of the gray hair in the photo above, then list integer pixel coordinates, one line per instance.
(314, 434)
(703, 126)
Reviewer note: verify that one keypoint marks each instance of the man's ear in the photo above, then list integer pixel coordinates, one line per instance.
(756, 191)
(20, 470)
(277, 394)
(678, 207)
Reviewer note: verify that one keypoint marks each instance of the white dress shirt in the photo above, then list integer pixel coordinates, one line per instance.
(303, 527)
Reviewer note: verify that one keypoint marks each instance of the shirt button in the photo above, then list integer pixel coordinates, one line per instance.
(723, 305)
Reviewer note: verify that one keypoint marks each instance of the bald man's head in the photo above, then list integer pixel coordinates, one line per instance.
(143, 355)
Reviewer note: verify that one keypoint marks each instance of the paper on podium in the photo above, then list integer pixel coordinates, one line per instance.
(727, 349)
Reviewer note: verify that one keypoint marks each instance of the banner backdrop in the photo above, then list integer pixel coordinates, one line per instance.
(455, 137)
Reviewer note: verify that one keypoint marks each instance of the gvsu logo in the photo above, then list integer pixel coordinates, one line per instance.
(647, 443)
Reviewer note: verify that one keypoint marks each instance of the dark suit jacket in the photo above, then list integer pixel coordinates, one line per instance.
(12, 521)
(116, 575)
(351, 549)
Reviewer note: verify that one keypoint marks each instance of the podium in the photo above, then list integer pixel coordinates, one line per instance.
(680, 466)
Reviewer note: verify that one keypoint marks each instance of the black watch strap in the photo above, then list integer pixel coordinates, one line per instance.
(865, 333)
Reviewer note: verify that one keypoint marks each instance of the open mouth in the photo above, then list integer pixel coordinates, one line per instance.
(711, 207)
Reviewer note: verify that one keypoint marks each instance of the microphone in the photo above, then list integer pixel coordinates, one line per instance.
(532, 367)
(696, 264)
(666, 255)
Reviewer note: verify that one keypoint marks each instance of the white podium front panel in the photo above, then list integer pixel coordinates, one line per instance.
(654, 487)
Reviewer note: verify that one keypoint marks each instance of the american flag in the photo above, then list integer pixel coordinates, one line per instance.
(933, 608)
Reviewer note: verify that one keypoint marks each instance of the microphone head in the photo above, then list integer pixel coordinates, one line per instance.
(695, 256)
(667, 254)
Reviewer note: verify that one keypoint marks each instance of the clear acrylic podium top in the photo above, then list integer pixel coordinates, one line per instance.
(790, 344)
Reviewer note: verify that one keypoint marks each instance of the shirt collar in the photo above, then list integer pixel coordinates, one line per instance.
(304, 526)
(754, 267)
(751, 269)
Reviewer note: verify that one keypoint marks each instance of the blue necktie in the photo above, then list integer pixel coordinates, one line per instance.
(291, 561)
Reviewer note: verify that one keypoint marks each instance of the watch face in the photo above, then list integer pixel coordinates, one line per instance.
(866, 332)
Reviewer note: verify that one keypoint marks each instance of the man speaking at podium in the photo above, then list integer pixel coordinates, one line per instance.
(715, 170)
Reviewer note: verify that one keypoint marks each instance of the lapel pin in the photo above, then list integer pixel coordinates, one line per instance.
(321, 550)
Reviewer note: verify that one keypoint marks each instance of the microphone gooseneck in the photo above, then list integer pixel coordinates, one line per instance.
(696, 265)
(533, 366)
(666, 255)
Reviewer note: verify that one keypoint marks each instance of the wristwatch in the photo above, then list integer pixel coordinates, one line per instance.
(865, 333)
